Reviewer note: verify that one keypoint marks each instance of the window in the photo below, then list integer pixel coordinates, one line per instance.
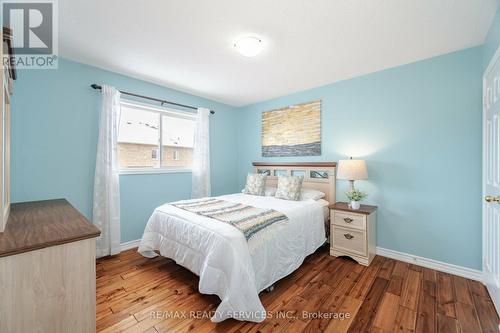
(143, 128)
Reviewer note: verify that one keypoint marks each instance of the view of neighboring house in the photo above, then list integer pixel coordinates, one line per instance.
(139, 137)
(136, 155)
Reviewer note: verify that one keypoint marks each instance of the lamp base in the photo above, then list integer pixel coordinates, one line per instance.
(351, 182)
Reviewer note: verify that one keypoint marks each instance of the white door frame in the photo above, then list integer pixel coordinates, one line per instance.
(484, 175)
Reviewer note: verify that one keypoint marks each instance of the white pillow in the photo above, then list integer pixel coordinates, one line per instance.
(305, 194)
(308, 193)
(268, 192)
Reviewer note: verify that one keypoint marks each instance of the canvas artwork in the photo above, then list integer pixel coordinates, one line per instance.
(292, 131)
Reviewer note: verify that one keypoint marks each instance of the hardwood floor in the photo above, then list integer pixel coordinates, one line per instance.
(134, 294)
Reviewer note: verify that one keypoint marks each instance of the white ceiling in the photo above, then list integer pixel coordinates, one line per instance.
(187, 44)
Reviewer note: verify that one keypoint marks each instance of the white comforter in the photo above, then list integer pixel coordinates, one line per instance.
(228, 265)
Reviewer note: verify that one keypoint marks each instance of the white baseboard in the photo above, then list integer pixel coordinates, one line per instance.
(130, 245)
(465, 272)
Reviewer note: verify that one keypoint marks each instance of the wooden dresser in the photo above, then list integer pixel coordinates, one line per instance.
(47, 269)
(353, 232)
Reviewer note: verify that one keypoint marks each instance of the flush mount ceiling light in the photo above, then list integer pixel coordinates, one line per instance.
(249, 46)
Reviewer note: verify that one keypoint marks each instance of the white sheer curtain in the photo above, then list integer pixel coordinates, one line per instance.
(201, 156)
(106, 210)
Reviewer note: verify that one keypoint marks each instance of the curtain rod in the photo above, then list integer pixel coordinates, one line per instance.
(98, 87)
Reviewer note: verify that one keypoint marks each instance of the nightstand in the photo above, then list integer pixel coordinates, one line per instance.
(353, 232)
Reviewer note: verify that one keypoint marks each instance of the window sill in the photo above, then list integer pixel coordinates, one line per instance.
(151, 171)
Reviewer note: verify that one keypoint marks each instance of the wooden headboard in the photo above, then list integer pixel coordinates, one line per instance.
(317, 175)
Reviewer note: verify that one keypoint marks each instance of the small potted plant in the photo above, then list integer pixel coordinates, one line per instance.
(355, 196)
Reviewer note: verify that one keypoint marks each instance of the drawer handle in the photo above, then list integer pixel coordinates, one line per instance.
(348, 220)
(348, 236)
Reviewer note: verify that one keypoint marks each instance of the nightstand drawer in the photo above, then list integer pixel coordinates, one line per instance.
(349, 240)
(349, 220)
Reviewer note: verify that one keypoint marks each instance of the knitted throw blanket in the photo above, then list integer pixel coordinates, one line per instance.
(250, 220)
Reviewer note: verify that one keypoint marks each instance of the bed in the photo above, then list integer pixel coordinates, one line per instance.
(228, 265)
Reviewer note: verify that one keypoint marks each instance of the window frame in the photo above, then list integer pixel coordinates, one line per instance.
(160, 111)
(176, 155)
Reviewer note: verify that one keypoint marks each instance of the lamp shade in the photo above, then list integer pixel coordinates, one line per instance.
(352, 170)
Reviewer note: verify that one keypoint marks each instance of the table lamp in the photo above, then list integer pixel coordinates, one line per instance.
(352, 170)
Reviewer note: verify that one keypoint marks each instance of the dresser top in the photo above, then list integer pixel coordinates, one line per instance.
(344, 206)
(38, 224)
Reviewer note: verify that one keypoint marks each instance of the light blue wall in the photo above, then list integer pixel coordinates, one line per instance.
(54, 137)
(419, 128)
(492, 40)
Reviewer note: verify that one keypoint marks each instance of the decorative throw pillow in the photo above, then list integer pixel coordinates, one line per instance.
(256, 184)
(289, 187)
